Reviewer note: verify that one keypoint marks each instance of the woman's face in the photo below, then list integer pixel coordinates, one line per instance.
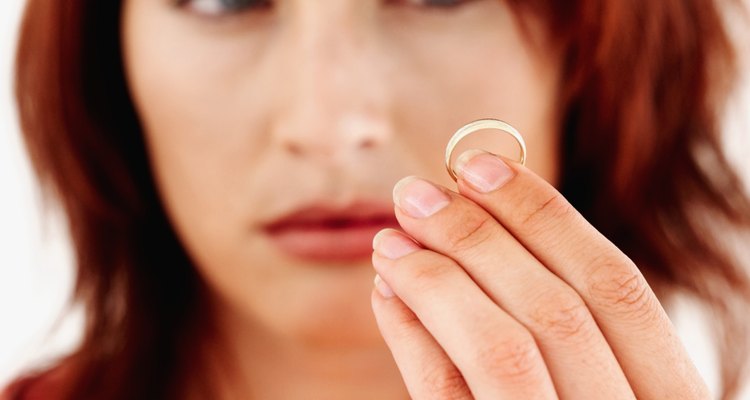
(276, 131)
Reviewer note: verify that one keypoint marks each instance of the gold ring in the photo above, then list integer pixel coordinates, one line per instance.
(477, 125)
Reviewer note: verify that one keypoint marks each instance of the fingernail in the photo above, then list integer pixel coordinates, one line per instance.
(418, 197)
(483, 171)
(391, 244)
(383, 287)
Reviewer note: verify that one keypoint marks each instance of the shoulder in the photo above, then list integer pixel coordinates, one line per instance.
(24, 388)
(43, 385)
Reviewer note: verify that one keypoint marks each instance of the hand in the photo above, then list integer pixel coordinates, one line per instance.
(504, 291)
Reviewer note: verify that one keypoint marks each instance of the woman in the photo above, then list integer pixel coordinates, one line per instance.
(224, 166)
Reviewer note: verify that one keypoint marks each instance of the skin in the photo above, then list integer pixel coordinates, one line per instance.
(250, 114)
(503, 290)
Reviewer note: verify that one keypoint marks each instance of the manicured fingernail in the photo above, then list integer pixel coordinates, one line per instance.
(418, 197)
(483, 171)
(383, 287)
(391, 244)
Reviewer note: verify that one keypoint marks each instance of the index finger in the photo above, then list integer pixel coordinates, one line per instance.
(621, 301)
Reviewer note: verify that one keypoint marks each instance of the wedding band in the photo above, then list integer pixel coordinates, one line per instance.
(478, 125)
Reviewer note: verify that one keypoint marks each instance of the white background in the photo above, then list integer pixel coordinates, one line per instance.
(35, 267)
(35, 259)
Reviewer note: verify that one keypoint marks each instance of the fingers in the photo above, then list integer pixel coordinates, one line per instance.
(625, 308)
(577, 355)
(427, 371)
(496, 356)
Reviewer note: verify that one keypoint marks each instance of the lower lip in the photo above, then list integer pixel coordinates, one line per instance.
(329, 244)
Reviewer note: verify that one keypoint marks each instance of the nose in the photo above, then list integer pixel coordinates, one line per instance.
(332, 104)
(323, 131)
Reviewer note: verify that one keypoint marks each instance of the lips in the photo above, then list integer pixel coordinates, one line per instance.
(323, 233)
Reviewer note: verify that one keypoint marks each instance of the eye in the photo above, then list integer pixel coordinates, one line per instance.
(223, 7)
(440, 3)
(429, 3)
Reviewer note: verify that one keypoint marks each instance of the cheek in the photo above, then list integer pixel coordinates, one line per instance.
(198, 141)
(496, 73)
(194, 166)
(527, 93)
(199, 144)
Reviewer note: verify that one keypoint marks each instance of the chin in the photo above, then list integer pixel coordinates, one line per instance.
(334, 310)
(325, 306)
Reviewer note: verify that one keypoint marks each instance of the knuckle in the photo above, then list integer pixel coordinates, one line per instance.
(563, 316)
(549, 210)
(405, 323)
(512, 360)
(446, 383)
(426, 273)
(472, 230)
(623, 291)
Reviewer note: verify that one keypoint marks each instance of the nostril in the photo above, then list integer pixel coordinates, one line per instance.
(298, 149)
(368, 144)
(294, 148)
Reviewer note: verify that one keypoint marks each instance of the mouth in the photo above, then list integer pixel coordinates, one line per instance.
(323, 233)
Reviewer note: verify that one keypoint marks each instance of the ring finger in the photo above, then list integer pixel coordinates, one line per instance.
(496, 355)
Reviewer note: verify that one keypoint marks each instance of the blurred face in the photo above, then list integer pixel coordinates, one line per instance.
(276, 131)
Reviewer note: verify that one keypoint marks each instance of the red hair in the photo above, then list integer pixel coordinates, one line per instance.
(643, 87)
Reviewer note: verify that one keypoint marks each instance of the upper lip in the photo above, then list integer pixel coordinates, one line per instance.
(325, 213)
